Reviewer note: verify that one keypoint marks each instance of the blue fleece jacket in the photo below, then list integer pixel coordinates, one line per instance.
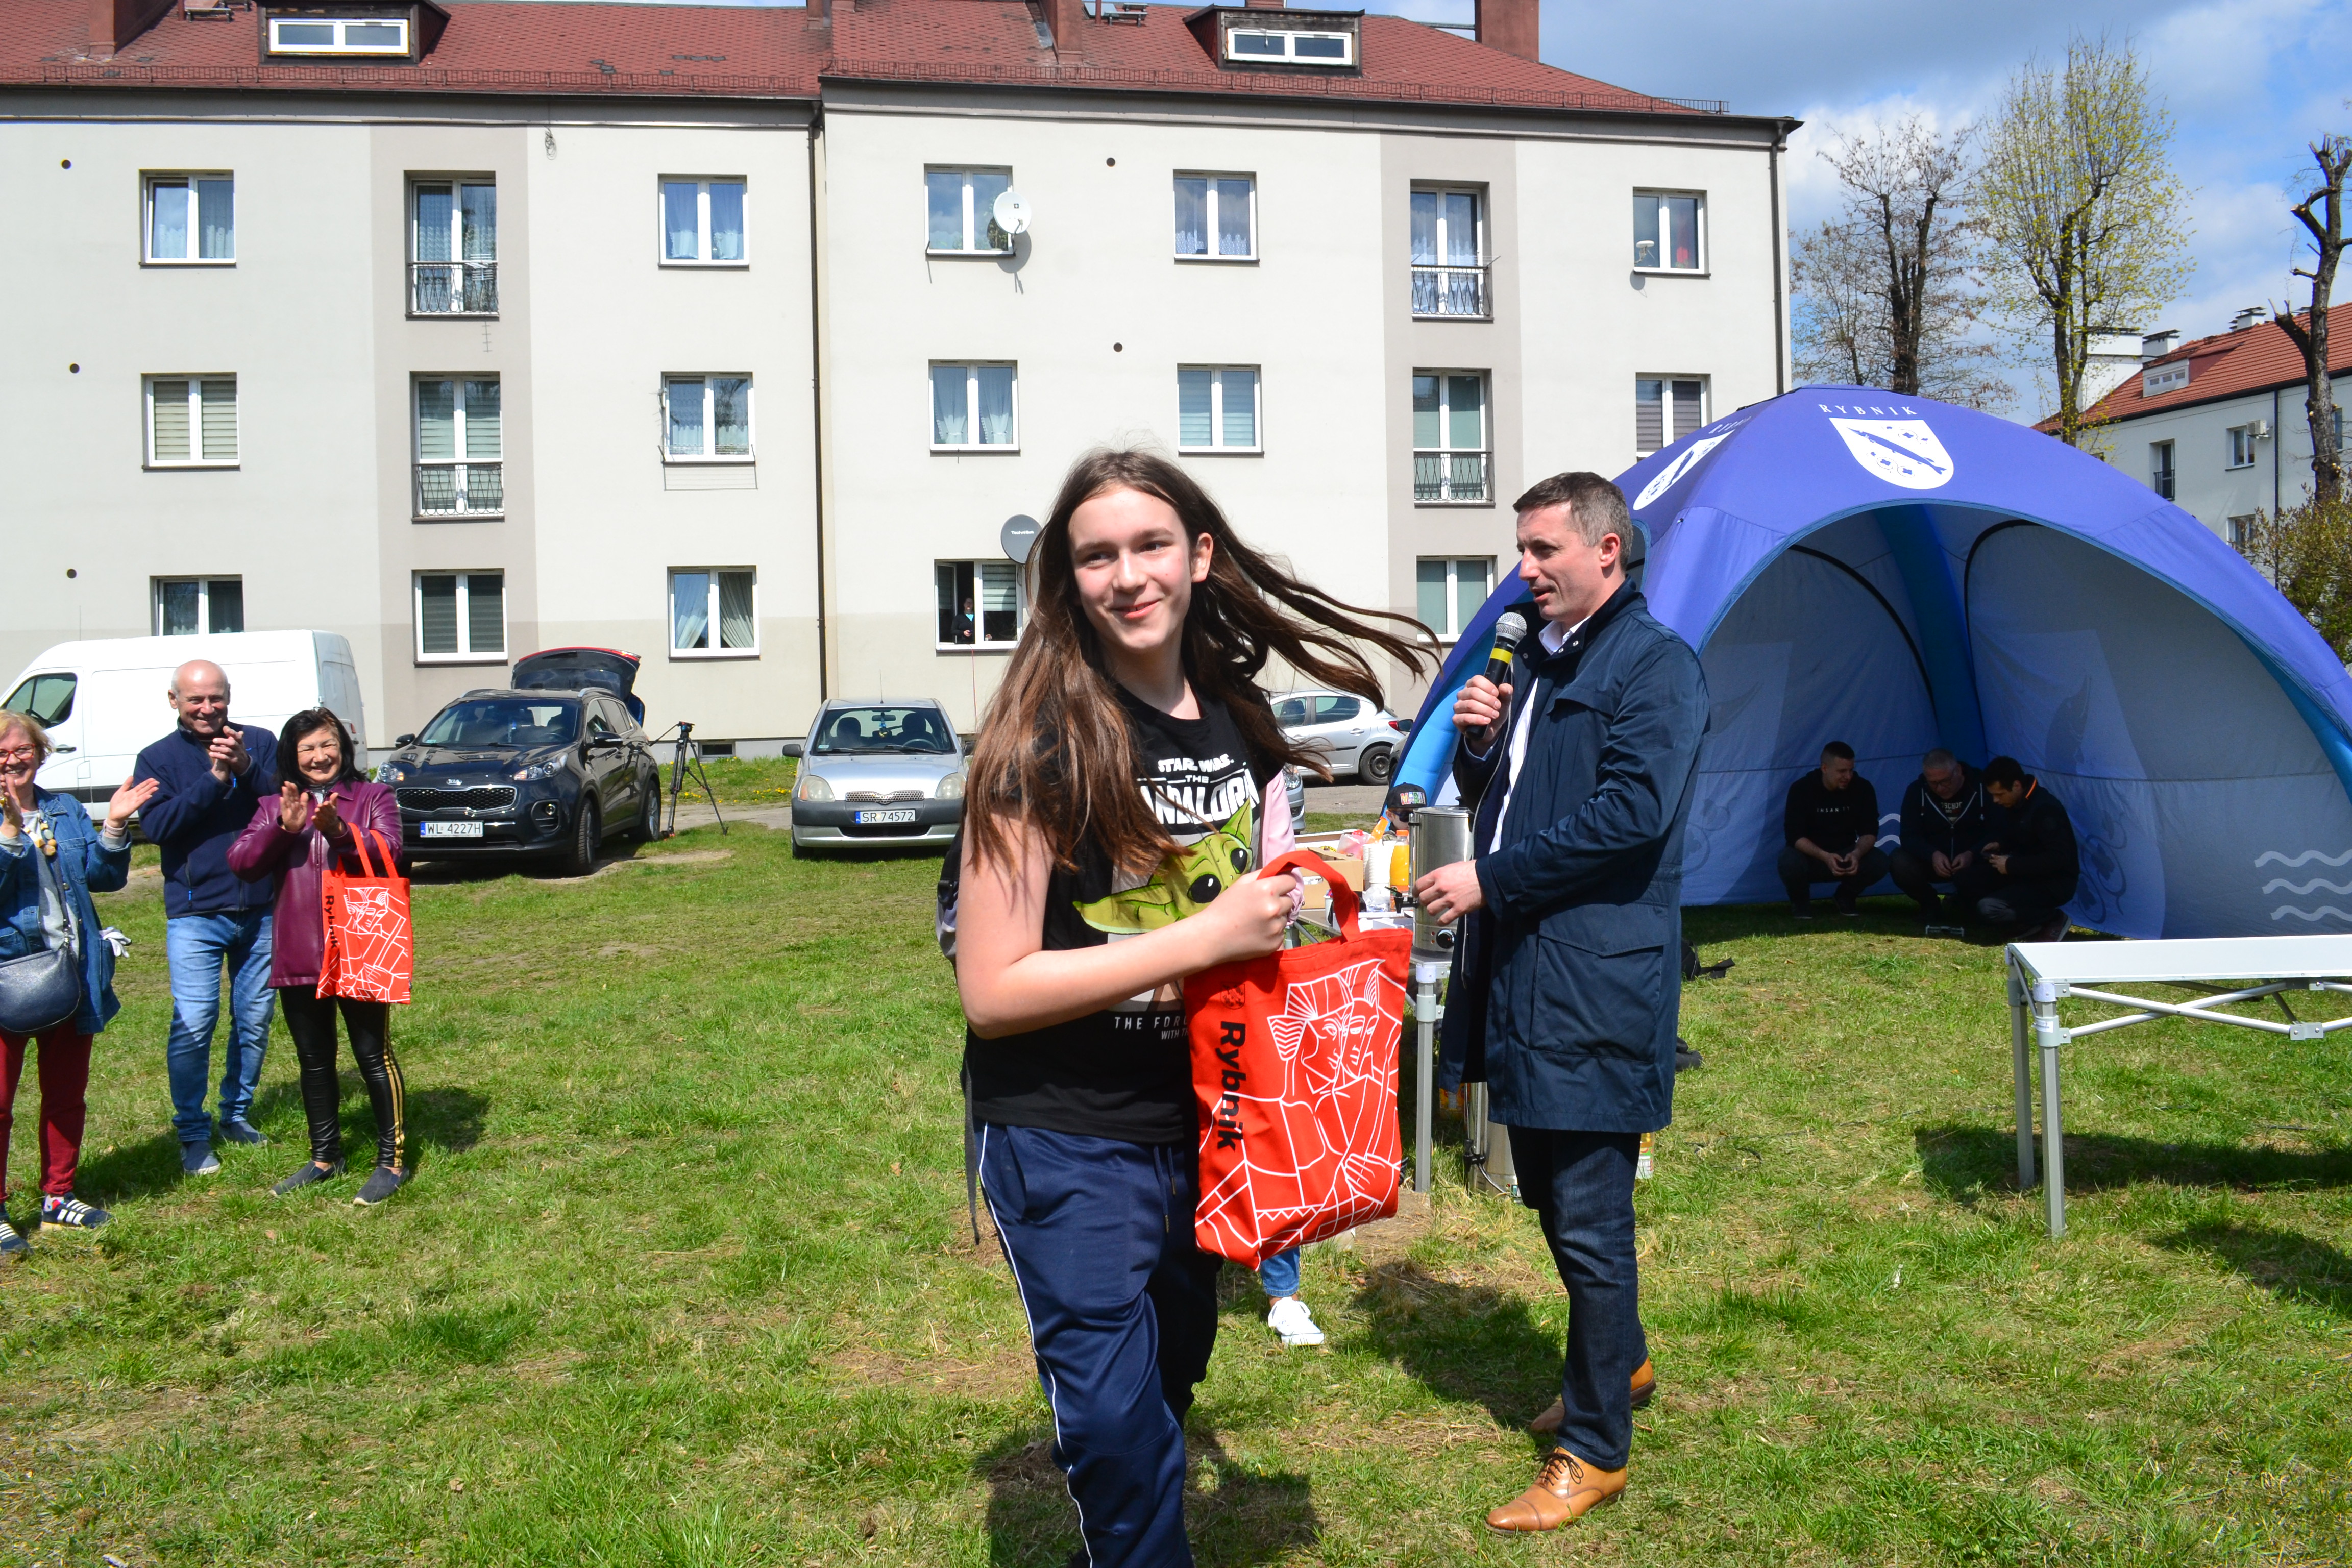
(194, 818)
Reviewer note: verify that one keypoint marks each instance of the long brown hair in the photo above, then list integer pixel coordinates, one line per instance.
(1055, 748)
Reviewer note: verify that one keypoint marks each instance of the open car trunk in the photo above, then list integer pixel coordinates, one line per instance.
(579, 669)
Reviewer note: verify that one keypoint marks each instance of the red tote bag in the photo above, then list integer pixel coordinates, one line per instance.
(370, 954)
(1295, 1065)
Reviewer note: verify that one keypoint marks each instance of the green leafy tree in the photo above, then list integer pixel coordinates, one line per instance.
(2307, 551)
(2082, 211)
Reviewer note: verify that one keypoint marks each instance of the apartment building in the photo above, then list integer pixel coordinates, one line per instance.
(2218, 424)
(734, 337)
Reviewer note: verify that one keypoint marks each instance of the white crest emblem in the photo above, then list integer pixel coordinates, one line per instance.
(1900, 451)
(1669, 476)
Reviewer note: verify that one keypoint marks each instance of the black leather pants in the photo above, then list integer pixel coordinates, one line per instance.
(311, 1020)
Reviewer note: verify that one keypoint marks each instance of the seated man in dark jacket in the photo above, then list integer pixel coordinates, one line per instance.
(2028, 872)
(1831, 824)
(1944, 829)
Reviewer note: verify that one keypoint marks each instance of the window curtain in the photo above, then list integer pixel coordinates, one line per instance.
(726, 221)
(225, 604)
(1241, 407)
(950, 414)
(944, 190)
(1471, 584)
(1461, 228)
(1682, 220)
(690, 601)
(681, 232)
(1424, 229)
(1000, 602)
(485, 613)
(171, 404)
(1192, 217)
(737, 627)
(1193, 427)
(167, 238)
(179, 603)
(220, 419)
(215, 220)
(481, 223)
(433, 223)
(995, 405)
(1233, 217)
(1465, 413)
(1429, 596)
(686, 436)
(730, 415)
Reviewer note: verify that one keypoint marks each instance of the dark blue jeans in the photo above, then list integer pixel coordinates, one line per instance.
(1581, 1185)
(1122, 1315)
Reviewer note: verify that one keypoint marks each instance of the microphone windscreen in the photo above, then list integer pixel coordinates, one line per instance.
(1511, 629)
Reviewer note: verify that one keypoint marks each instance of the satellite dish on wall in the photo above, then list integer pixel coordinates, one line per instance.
(1019, 535)
(1011, 211)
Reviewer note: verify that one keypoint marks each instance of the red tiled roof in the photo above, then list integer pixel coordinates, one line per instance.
(504, 47)
(2225, 365)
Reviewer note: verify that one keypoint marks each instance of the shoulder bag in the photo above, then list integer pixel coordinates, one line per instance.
(42, 990)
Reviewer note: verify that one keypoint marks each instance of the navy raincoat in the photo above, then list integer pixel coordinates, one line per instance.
(1567, 982)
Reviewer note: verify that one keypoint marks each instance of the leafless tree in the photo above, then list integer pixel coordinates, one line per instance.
(2321, 212)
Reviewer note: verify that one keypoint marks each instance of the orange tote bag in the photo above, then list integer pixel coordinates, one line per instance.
(370, 953)
(1295, 1066)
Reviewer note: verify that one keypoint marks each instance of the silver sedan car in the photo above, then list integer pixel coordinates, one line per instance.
(875, 775)
(1351, 735)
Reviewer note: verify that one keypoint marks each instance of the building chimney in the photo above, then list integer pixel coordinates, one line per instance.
(114, 23)
(2250, 317)
(1514, 26)
(1263, 5)
(2156, 345)
(1068, 21)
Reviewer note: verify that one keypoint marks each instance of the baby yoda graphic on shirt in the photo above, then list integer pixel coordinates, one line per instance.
(1184, 883)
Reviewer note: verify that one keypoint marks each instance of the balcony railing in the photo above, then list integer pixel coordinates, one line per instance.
(1449, 476)
(460, 489)
(1451, 291)
(453, 288)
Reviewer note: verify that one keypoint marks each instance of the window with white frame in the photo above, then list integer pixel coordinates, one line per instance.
(2241, 528)
(1448, 591)
(192, 218)
(1669, 231)
(460, 447)
(1283, 46)
(1216, 218)
(1449, 446)
(2242, 445)
(980, 602)
(338, 34)
(1666, 409)
(962, 204)
(1216, 409)
(192, 422)
(974, 408)
(453, 258)
(187, 605)
(706, 418)
(461, 616)
(1449, 252)
(702, 223)
(714, 612)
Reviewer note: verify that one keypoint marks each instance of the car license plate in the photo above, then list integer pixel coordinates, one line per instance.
(886, 817)
(450, 830)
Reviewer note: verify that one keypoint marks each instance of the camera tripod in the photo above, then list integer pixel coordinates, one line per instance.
(686, 762)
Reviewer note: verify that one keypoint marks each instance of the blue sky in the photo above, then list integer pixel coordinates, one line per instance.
(2249, 83)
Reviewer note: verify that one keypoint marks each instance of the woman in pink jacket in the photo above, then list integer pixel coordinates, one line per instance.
(320, 806)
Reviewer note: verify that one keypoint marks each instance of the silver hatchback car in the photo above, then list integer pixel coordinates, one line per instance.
(875, 774)
(1351, 735)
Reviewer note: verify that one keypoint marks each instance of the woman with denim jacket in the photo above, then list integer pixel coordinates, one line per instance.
(323, 802)
(37, 821)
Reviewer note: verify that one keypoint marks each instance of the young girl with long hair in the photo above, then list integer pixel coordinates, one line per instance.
(1109, 850)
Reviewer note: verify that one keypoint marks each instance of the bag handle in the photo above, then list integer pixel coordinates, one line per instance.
(1344, 901)
(359, 837)
(66, 928)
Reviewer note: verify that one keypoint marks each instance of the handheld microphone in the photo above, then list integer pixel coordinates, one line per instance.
(1510, 630)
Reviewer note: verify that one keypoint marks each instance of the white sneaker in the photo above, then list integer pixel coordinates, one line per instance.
(1291, 1320)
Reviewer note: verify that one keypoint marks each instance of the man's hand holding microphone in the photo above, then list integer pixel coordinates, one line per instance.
(1481, 710)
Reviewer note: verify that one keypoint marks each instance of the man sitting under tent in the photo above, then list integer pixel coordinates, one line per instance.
(2028, 871)
(1944, 829)
(1831, 824)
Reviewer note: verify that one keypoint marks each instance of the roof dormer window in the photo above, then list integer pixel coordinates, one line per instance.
(375, 36)
(1270, 46)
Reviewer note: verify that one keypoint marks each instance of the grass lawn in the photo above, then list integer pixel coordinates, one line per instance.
(685, 1279)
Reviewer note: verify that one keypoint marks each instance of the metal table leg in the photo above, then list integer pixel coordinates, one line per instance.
(2054, 1128)
(1425, 1015)
(2022, 1070)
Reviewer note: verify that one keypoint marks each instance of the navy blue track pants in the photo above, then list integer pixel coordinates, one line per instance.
(1122, 1314)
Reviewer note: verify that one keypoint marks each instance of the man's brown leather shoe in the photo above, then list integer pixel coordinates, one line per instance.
(1645, 1384)
(1565, 1487)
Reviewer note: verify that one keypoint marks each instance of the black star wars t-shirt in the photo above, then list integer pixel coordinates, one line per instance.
(1126, 1072)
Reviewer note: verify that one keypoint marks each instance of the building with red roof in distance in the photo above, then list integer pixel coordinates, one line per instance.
(2218, 424)
(733, 335)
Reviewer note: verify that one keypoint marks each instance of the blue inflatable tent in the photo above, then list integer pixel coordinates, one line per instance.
(1899, 574)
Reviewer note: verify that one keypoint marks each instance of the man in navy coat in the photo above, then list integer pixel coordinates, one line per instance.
(1566, 976)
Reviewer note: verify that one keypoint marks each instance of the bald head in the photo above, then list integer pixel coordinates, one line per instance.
(199, 695)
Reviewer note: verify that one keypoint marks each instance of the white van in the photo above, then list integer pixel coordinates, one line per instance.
(102, 701)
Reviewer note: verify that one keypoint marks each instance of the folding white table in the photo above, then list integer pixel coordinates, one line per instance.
(2044, 974)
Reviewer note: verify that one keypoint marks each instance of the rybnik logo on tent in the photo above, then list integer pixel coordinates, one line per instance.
(1901, 451)
(1669, 476)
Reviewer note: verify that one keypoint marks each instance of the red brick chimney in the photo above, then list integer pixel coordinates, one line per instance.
(1514, 26)
(114, 23)
(1067, 18)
